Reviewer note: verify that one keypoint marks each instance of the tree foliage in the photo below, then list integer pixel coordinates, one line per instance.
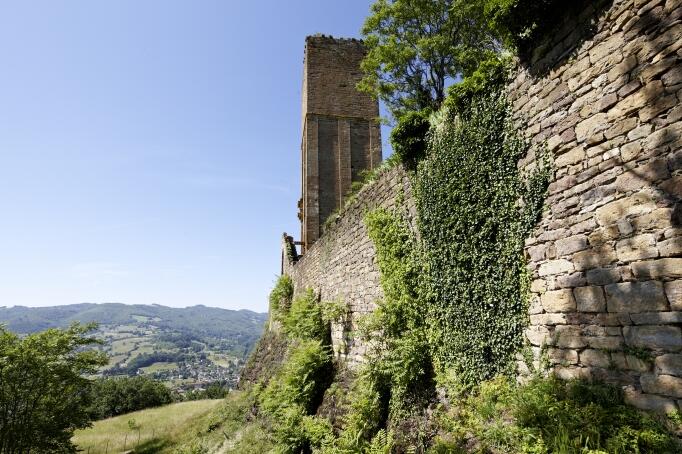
(116, 396)
(415, 48)
(43, 390)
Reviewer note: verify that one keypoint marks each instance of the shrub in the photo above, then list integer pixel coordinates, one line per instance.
(408, 137)
(304, 319)
(281, 294)
(575, 416)
(549, 415)
(294, 394)
(302, 379)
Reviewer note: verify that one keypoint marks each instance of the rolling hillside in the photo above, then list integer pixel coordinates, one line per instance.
(184, 347)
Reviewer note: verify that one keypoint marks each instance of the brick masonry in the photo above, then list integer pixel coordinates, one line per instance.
(606, 256)
(341, 134)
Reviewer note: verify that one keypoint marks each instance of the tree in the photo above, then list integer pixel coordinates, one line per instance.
(115, 396)
(415, 48)
(43, 390)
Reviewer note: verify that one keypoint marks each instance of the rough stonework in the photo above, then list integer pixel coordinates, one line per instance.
(341, 134)
(341, 264)
(606, 256)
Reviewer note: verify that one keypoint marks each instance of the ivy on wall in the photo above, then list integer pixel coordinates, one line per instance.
(475, 210)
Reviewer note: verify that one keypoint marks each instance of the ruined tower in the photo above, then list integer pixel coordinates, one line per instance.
(341, 135)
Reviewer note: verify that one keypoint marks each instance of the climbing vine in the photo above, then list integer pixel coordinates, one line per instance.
(475, 210)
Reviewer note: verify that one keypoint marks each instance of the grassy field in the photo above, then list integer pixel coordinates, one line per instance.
(157, 367)
(159, 428)
(222, 426)
(125, 346)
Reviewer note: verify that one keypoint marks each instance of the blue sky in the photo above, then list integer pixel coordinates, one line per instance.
(149, 149)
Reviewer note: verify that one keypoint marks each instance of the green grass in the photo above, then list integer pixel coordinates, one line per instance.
(220, 359)
(114, 360)
(160, 428)
(158, 367)
(142, 348)
(125, 346)
(221, 426)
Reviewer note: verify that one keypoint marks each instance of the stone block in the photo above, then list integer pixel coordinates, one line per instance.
(655, 69)
(538, 335)
(555, 267)
(670, 247)
(623, 68)
(603, 276)
(572, 373)
(569, 336)
(656, 220)
(566, 246)
(630, 150)
(658, 269)
(637, 364)
(597, 257)
(595, 358)
(673, 290)
(571, 280)
(648, 402)
(604, 342)
(665, 135)
(590, 299)
(603, 235)
(639, 247)
(562, 356)
(537, 253)
(669, 364)
(642, 97)
(673, 186)
(666, 385)
(591, 129)
(538, 285)
(657, 318)
(642, 176)
(657, 106)
(535, 306)
(571, 157)
(638, 203)
(548, 319)
(558, 301)
(584, 226)
(673, 76)
(635, 297)
(640, 132)
(664, 337)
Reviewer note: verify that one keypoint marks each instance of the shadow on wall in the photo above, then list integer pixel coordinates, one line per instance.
(615, 306)
(578, 23)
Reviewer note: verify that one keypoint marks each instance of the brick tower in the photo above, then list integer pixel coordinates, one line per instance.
(341, 135)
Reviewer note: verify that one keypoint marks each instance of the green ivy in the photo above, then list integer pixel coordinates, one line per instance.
(408, 137)
(475, 210)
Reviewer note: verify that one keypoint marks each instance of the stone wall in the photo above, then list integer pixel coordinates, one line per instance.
(606, 257)
(341, 264)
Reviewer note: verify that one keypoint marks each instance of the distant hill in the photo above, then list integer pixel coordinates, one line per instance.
(199, 320)
(184, 347)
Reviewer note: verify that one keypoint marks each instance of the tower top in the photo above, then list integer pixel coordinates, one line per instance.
(331, 72)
